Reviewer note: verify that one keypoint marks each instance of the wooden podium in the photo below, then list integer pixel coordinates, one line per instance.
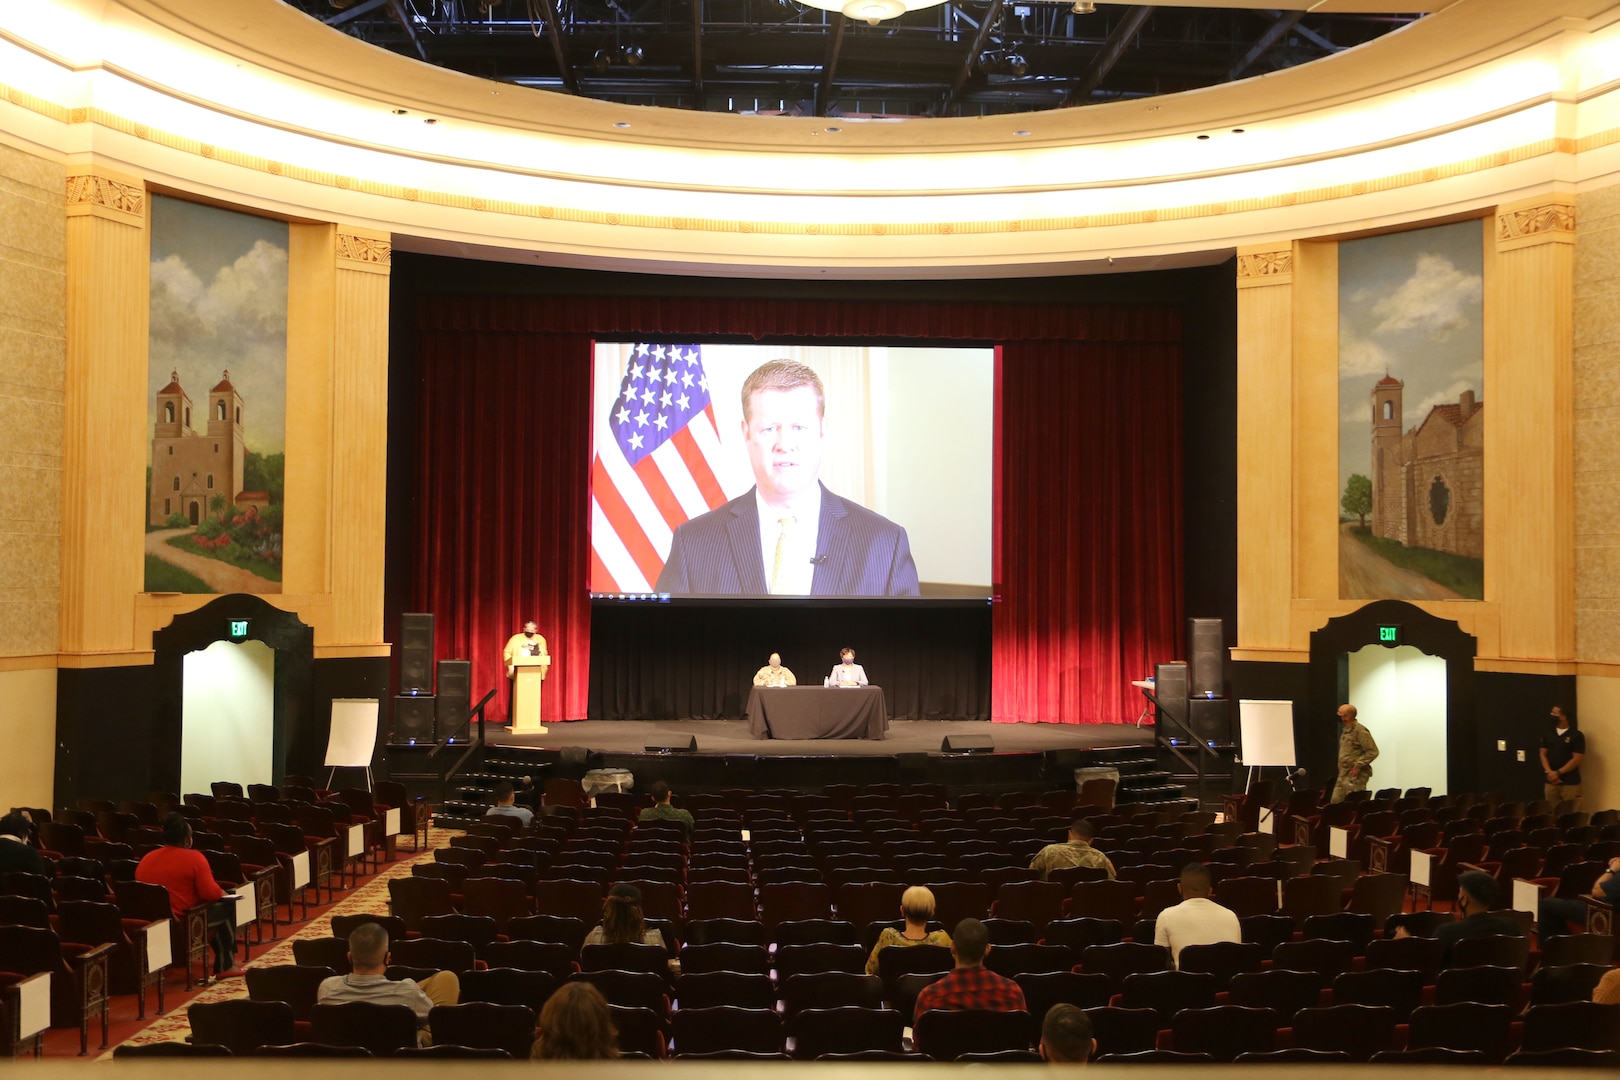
(528, 675)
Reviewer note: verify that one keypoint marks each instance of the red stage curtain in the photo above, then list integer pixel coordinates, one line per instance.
(1089, 539)
(1089, 426)
(503, 491)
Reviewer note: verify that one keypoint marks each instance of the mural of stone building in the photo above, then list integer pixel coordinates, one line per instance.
(190, 467)
(1428, 483)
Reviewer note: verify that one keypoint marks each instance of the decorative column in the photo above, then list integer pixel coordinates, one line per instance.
(1265, 279)
(359, 433)
(104, 414)
(1529, 428)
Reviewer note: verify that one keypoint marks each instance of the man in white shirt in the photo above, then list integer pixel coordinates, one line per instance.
(1197, 920)
(774, 674)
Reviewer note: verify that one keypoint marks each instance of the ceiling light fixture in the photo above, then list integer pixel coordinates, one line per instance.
(872, 11)
(1084, 7)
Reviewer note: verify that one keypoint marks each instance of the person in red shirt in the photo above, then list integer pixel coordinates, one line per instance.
(190, 882)
(971, 985)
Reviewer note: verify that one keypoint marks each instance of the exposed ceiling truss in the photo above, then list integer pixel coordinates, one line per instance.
(962, 58)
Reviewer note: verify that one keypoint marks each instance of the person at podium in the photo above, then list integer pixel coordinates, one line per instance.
(528, 643)
(774, 674)
(847, 672)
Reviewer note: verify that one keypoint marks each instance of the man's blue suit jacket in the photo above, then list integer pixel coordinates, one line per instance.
(861, 553)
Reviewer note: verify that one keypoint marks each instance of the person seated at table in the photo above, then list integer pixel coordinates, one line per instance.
(622, 920)
(917, 907)
(774, 674)
(661, 810)
(847, 673)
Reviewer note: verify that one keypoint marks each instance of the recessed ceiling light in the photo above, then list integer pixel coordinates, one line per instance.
(1020, 134)
(1237, 131)
(621, 123)
(430, 120)
(1203, 138)
(401, 112)
(835, 130)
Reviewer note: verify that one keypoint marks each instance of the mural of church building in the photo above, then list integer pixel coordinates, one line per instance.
(190, 467)
(1428, 483)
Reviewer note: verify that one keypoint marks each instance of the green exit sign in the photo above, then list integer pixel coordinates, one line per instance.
(1389, 635)
(239, 628)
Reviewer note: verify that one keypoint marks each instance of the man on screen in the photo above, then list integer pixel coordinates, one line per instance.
(789, 535)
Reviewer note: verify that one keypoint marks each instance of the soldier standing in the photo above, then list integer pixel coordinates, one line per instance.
(1356, 753)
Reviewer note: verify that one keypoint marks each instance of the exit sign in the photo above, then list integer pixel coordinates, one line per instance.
(1389, 635)
(239, 628)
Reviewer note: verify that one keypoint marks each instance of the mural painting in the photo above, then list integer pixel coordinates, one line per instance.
(217, 400)
(1411, 415)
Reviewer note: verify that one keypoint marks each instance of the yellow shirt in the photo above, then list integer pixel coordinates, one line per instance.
(522, 643)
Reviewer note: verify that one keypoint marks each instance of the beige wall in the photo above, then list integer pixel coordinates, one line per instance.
(28, 725)
(33, 354)
(1597, 487)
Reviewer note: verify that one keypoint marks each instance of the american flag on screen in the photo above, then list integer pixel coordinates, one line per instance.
(657, 469)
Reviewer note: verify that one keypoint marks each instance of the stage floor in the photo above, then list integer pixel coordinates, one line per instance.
(904, 737)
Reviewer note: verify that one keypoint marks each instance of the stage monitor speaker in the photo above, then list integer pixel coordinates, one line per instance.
(1211, 720)
(967, 744)
(413, 718)
(416, 652)
(672, 744)
(1170, 688)
(1206, 652)
(454, 698)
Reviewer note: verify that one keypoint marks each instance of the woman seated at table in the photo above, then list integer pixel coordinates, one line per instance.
(622, 920)
(917, 905)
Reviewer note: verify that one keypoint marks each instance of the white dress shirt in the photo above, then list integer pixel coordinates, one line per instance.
(798, 547)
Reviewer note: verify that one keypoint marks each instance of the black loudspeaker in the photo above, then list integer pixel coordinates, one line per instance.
(967, 744)
(416, 652)
(573, 762)
(1206, 652)
(1170, 688)
(413, 718)
(1211, 720)
(672, 745)
(455, 695)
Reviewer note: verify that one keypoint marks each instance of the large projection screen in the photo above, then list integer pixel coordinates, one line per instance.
(877, 486)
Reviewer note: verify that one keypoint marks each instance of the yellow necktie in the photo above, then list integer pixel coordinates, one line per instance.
(781, 544)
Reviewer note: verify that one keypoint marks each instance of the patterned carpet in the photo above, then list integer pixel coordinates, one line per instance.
(370, 896)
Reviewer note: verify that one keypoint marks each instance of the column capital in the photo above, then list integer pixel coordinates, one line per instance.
(93, 191)
(367, 250)
(1545, 219)
(1267, 264)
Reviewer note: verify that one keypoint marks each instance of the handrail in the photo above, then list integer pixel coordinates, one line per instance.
(478, 711)
(1160, 714)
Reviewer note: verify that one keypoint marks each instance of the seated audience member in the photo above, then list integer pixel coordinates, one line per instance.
(185, 873)
(1607, 990)
(1554, 915)
(506, 806)
(575, 1025)
(774, 674)
(1197, 920)
(622, 920)
(917, 907)
(368, 957)
(1077, 851)
(1066, 1037)
(970, 985)
(661, 810)
(1476, 893)
(16, 853)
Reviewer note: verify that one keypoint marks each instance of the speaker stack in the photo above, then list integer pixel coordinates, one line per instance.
(414, 706)
(454, 697)
(1209, 713)
(1170, 688)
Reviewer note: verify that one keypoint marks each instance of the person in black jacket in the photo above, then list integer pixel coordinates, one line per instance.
(16, 853)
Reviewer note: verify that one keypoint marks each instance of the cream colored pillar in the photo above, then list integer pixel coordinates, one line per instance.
(359, 434)
(1529, 463)
(1265, 277)
(104, 414)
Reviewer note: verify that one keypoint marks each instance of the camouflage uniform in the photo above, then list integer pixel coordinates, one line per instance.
(1074, 853)
(1356, 748)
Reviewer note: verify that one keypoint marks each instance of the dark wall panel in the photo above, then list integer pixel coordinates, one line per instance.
(660, 662)
(1515, 708)
(104, 733)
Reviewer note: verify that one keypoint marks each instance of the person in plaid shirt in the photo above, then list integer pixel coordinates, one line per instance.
(971, 985)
